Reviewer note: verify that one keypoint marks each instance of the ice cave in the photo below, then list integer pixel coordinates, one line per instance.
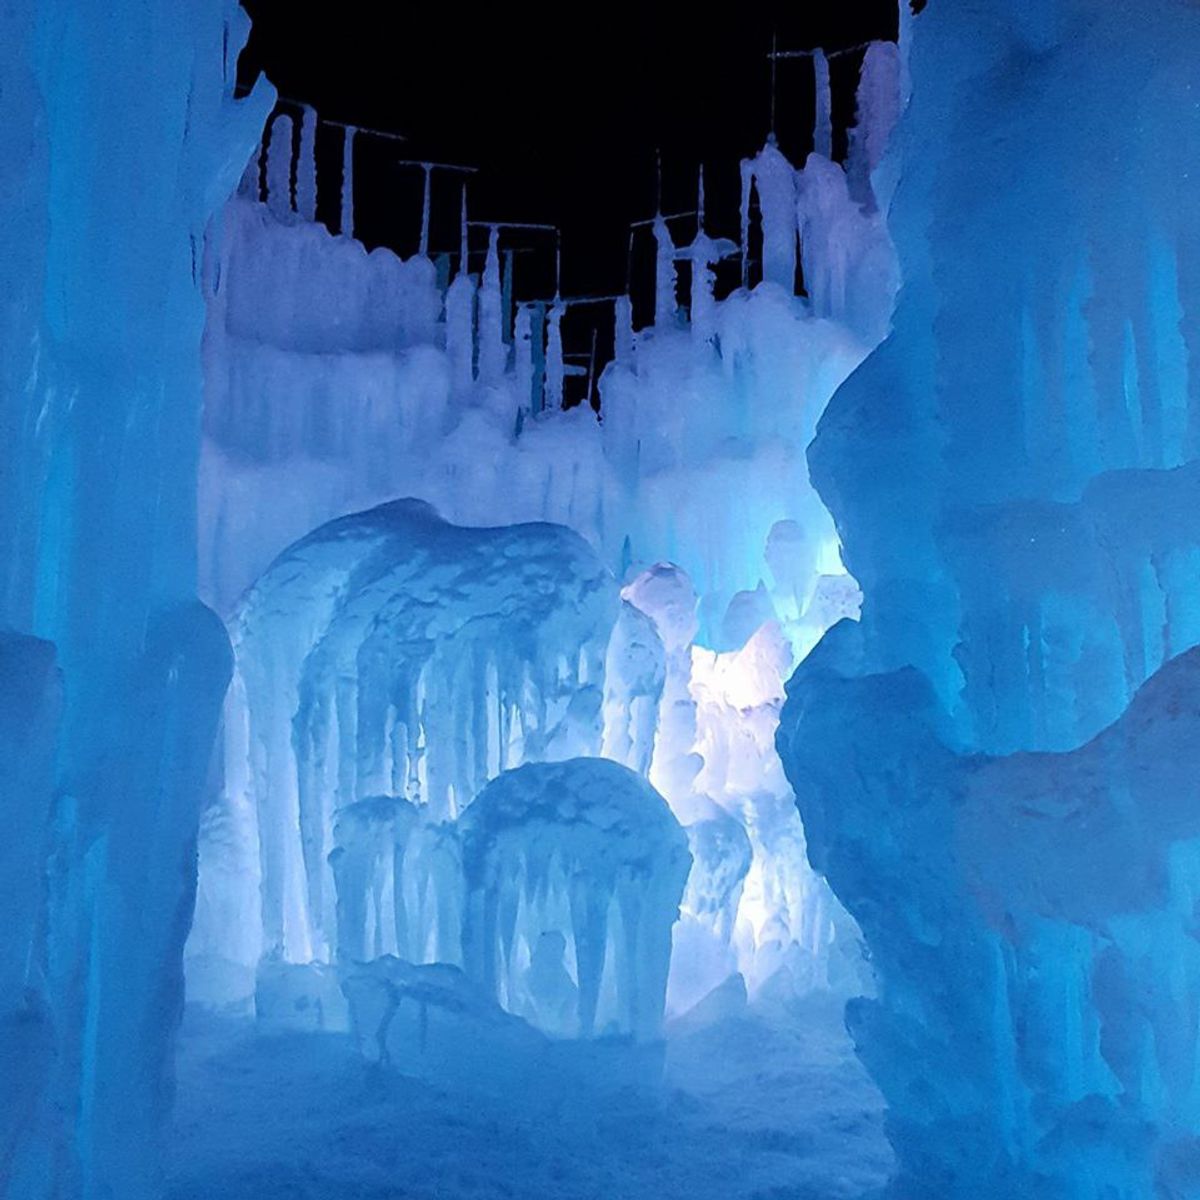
(600, 607)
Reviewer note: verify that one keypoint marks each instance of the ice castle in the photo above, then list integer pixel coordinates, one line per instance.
(757, 761)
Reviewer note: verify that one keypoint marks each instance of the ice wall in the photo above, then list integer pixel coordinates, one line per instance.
(389, 653)
(338, 379)
(121, 138)
(994, 767)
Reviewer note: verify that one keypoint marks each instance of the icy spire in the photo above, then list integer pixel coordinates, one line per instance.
(423, 249)
(823, 126)
(491, 322)
(279, 167)
(523, 358)
(877, 111)
(702, 253)
(460, 305)
(774, 178)
(348, 181)
(555, 364)
(464, 251)
(623, 329)
(306, 166)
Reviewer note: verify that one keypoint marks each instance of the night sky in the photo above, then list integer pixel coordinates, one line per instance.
(561, 109)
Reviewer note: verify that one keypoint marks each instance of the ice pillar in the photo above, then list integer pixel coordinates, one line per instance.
(306, 166)
(348, 181)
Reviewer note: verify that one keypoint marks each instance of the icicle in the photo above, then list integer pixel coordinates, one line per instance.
(747, 184)
(423, 249)
(279, 167)
(523, 359)
(348, 182)
(306, 166)
(823, 126)
(491, 328)
(664, 274)
(464, 252)
(555, 365)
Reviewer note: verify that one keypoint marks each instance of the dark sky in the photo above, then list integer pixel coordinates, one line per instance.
(561, 108)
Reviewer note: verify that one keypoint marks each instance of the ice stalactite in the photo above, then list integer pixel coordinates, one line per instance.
(392, 654)
(574, 872)
(398, 876)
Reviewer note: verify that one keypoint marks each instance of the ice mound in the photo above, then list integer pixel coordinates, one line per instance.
(588, 853)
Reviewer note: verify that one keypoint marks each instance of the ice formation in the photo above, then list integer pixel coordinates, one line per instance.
(574, 873)
(100, 390)
(388, 654)
(995, 767)
(337, 379)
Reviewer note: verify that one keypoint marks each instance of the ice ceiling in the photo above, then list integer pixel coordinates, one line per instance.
(355, 687)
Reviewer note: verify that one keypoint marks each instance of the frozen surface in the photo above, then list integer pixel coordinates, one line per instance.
(745, 1110)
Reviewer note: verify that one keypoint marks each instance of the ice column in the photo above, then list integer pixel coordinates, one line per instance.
(460, 316)
(306, 166)
(133, 104)
(279, 167)
(347, 216)
(492, 351)
(665, 300)
(823, 124)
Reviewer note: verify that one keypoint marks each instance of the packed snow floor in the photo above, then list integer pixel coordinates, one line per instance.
(747, 1109)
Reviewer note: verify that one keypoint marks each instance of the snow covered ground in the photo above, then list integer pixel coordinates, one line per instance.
(749, 1108)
